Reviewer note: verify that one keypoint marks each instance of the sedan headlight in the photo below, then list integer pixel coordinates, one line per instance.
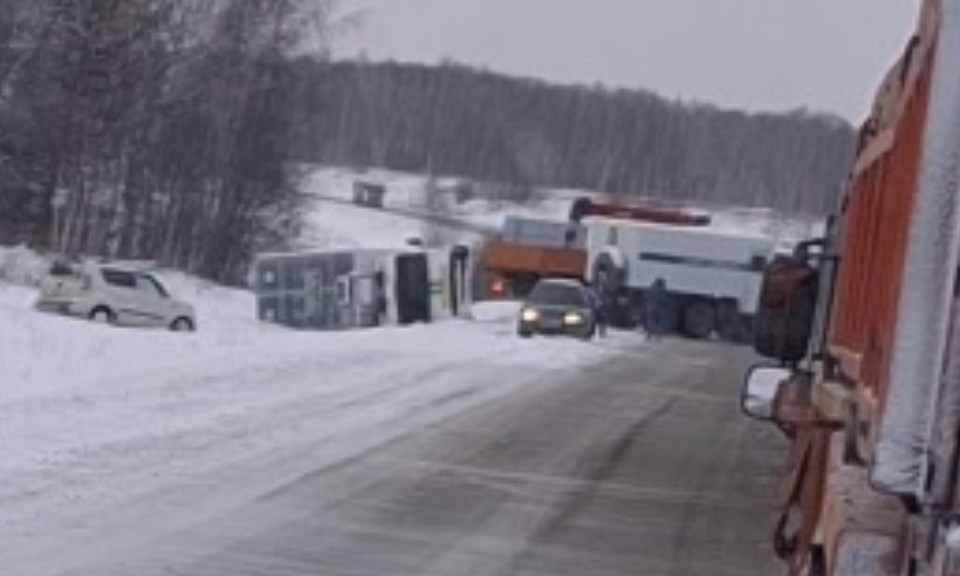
(529, 315)
(573, 319)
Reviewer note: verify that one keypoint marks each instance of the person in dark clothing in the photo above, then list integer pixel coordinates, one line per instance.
(656, 300)
(598, 303)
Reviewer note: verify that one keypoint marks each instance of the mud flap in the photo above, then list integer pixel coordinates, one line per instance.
(802, 498)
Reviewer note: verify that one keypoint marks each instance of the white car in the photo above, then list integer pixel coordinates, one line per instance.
(113, 295)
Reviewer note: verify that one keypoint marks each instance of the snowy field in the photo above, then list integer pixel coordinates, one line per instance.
(333, 225)
(409, 192)
(103, 427)
(336, 225)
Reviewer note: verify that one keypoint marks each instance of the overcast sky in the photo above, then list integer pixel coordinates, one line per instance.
(759, 54)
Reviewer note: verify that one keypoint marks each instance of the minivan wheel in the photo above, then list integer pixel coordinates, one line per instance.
(592, 333)
(103, 315)
(182, 325)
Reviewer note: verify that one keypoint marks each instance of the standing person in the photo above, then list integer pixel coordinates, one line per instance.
(598, 303)
(656, 309)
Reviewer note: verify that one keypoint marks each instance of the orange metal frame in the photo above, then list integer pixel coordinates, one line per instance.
(513, 258)
(877, 216)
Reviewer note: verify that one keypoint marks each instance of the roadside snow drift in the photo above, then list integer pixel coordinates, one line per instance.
(104, 429)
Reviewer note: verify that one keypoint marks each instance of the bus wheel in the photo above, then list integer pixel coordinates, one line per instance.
(699, 319)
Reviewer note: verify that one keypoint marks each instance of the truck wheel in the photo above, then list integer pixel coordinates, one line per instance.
(662, 320)
(745, 335)
(699, 319)
(733, 326)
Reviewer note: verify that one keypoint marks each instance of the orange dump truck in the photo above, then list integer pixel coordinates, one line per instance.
(529, 249)
(865, 332)
(516, 267)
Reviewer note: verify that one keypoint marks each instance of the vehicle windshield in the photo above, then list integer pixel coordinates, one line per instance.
(150, 281)
(556, 294)
(63, 268)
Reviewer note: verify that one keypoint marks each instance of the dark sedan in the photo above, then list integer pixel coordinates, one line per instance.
(558, 307)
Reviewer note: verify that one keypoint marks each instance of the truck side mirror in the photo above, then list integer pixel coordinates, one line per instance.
(760, 388)
(810, 250)
(786, 310)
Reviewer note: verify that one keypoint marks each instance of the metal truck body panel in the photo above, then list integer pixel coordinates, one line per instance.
(700, 261)
(929, 281)
(341, 290)
(883, 397)
(541, 232)
(529, 249)
(543, 261)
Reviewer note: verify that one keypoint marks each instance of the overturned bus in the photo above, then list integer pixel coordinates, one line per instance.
(343, 289)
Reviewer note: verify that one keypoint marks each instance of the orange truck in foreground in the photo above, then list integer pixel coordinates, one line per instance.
(864, 330)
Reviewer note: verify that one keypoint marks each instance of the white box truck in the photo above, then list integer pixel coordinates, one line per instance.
(711, 277)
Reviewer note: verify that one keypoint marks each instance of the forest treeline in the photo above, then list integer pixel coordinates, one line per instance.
(452, 119)
(154, 129)
(167, 129)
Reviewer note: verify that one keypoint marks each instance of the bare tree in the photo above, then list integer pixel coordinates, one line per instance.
(450, 119)
(154, 128)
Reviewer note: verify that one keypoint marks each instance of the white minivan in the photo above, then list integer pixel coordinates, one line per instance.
(113, 295)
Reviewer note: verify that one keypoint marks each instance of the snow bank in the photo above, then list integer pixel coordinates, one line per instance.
(332, 225)
(103, 427)
(40, 352)
(21, 266)
(403, 190)
(494, 312)
(339, 226)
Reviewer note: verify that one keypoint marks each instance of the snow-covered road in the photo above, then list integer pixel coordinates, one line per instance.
(610, 470)
(107, 431)
(440, 450)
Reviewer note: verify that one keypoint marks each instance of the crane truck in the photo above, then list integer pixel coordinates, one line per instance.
(862, 333)
(528, 249)
(711, 277)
